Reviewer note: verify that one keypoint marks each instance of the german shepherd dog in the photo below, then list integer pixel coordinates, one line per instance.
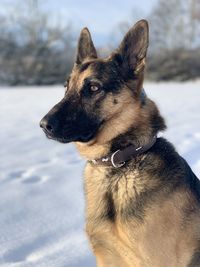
(142, 198)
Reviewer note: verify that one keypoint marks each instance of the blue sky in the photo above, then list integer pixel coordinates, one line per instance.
(101, 17)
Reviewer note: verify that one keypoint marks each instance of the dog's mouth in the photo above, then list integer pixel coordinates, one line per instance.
(52, 137)
(84, 137)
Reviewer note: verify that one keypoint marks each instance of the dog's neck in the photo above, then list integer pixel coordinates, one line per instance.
(139, 133)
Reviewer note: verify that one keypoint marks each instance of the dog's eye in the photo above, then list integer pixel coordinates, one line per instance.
(94, 88)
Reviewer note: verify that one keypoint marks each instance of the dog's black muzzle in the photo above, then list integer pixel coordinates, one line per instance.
(66, 123)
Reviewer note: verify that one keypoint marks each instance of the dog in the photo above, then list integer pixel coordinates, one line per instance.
(142, 198)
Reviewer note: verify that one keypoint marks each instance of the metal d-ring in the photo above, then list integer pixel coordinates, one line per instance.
(112, 160)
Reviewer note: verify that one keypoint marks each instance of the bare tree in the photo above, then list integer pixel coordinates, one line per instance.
(174, 24)
(33, 51)
(174, 40)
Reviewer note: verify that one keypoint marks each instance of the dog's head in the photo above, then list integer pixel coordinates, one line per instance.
(102, 96)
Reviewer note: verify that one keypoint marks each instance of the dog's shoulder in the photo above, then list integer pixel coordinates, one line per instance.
(175, 166)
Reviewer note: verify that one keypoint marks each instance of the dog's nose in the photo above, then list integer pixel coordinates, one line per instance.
(48, 125)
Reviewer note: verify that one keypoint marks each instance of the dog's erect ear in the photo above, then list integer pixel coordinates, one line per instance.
(85, 47)
(134, 46)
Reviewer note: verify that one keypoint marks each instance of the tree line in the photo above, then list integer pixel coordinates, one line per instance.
(174, 51)
(33, 51)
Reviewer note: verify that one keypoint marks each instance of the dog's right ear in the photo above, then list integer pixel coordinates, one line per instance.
(85, 47)
(133, 47)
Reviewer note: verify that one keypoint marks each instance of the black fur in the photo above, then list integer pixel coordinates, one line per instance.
(155, 177)
(173, 174)
(70, 122)
(110, 207)
(195, 261)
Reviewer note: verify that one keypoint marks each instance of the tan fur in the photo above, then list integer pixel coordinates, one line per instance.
(133, 243)
(77, 78)
(119, 118)
(140, 66)
(136, 244)
(146, 213)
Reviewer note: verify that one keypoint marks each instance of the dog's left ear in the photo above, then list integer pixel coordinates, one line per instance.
(134, 46)
(85, 47)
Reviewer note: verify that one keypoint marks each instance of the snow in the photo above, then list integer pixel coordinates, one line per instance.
(41, 185)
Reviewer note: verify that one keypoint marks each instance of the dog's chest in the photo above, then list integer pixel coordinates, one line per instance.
(115, 228)
(108, 194)
(115, 194)
(107, 202)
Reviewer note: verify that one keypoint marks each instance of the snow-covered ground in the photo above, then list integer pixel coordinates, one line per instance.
(41, 188)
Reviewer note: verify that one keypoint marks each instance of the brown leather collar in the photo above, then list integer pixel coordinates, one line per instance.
(120, 157)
